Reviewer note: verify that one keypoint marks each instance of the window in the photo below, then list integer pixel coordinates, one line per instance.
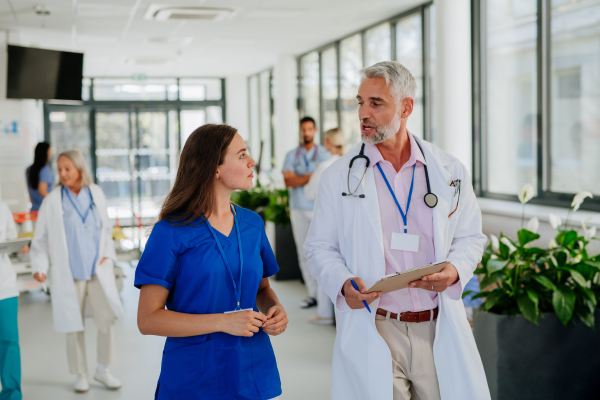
(261, 140)
(309, 89)
(378, 44)
(331, 98)
(536, 118)
(329, 83)
(350, 63)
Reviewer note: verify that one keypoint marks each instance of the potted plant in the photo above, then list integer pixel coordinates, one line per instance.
(535, 328)
(273, 206)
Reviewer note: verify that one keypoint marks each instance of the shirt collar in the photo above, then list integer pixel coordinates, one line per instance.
(415, 154)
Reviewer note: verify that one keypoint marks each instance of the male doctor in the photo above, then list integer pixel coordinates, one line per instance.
(417, 343)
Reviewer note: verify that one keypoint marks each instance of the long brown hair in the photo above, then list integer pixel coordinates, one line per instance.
(193, 192)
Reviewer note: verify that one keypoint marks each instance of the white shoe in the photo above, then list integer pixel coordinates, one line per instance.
(107, 379)
(315, 319)
(81, 384)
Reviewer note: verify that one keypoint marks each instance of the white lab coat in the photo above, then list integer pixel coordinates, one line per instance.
(49, 255)
(310, 189)
(345, 240)
(8, 276)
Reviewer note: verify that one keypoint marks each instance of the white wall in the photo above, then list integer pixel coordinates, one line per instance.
(21, 128)
(286, 112)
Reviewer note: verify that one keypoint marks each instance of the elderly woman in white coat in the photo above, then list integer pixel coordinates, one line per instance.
(73, 246)
(333, 141)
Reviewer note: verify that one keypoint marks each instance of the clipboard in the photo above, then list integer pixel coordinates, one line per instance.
(401, 280)
(13, 246)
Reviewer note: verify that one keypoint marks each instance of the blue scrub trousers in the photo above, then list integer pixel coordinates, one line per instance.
(10, 354)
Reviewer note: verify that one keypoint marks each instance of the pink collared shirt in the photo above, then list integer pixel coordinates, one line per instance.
(420, 222)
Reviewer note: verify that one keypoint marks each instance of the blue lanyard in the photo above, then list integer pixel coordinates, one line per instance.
(236, 288)
(404, 216)
(83, 217)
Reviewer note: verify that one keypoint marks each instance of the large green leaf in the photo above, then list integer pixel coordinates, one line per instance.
(590, 295)
(569, 237)
(593, 263)
(491, 279)
(545, 281)
(492, 299)
(527, 307)
(577, 277)
(563, 300)
(495, 265)
(466, 293)
(587, 317)
(525, 236)
(561, 258)
(533, 296)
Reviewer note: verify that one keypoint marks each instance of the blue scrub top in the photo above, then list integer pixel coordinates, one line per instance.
(186, 261)
(47, 176)
(303, 162)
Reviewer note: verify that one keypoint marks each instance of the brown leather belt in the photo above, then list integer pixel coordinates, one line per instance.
(421, 316)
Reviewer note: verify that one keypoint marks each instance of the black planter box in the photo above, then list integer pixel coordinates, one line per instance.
(523, 361)
(286, 254)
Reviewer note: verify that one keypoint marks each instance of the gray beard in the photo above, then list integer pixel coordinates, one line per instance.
(384, 133)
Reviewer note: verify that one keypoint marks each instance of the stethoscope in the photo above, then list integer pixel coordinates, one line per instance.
(430, 199)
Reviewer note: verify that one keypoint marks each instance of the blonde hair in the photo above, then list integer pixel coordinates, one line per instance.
(79, 162)
(337, 139)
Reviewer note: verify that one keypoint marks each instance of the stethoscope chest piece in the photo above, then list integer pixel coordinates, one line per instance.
(430, 200)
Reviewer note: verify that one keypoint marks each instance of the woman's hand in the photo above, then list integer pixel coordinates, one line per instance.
(103, 259)
(277, 321)
(243, 323)
(40, 277)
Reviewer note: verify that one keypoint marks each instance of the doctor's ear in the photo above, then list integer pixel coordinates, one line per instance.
(407, 107)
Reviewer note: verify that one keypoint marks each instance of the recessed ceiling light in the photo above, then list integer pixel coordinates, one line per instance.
(168, 12)
(149, 60)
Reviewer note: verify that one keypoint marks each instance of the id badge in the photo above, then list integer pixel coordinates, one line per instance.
(405, 242)
(243, 309)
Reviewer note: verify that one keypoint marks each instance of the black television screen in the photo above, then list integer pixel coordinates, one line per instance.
(43, 74)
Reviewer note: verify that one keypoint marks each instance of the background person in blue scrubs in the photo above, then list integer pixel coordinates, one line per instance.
(204, 259)
(39, 176)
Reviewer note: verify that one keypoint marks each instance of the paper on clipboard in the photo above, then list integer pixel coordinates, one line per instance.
(401, 280)
(13, 245)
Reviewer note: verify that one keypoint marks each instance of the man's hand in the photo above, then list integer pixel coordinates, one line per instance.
(355, 298)
(289, 174)
(439, 281)
(39, 277)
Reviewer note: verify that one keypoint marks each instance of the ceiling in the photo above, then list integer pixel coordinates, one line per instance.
(118, 41)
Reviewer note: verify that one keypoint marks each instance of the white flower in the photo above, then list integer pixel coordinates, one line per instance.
(553, 243)
(576, 259)
(533, 225)
(555, 221)
(578, 199)
(510, 246)
(590, 233)
(526, 193)
(495, 242)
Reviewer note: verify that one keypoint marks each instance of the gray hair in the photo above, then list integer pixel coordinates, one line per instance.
(401, 82)
(79, 162)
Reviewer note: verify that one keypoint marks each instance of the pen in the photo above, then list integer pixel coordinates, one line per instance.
(356, 287)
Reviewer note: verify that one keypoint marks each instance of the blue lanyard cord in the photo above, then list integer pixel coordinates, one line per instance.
(404, 216)
(314, 157)
(237, 288)
(83, 217)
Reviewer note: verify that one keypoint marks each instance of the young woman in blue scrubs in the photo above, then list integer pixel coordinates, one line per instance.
(209, 263)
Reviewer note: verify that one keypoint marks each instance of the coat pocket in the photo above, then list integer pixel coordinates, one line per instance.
(188, 371)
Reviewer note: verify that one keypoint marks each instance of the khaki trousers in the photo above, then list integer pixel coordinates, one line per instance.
(411, 345)
(104, 317)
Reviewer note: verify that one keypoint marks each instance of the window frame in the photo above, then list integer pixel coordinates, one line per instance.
(251, 133)
(424, 11)
(544, 111)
